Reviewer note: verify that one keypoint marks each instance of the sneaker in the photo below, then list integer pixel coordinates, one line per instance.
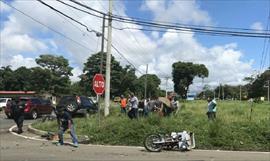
(59, 144)
(76, 145)
(19, 131)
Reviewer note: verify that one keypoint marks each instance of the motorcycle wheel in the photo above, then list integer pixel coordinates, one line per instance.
(150, 145)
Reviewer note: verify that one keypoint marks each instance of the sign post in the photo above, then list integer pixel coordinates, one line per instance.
(98, 87)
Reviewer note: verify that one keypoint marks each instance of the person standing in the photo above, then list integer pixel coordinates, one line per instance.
(133, 112)
(66, 123)
(123, 104)
(212, 108)
(17, 108)
(146, 107)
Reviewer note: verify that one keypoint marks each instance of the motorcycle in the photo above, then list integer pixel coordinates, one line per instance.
(182, 141)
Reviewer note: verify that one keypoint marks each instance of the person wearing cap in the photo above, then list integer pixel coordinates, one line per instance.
(17, 108)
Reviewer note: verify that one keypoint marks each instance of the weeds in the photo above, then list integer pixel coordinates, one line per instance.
(232, 130)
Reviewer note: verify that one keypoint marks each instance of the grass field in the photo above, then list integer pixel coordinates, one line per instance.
(237, 127)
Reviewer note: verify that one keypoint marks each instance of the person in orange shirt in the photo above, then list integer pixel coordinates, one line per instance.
(123, 104)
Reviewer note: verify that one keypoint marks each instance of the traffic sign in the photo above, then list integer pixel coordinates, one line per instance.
(98, 84)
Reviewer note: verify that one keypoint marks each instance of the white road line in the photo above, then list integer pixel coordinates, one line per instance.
(26, 137)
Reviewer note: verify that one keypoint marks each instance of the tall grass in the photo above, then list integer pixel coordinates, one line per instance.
(236, 127)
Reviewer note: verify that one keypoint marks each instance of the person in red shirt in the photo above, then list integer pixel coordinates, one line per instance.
(123, 104)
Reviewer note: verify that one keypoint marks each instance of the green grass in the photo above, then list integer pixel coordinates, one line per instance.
(235, 128)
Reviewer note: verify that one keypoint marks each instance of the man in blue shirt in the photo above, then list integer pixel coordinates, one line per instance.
(66, 123)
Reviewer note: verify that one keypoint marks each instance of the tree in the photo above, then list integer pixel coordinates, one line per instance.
(153, 83)
(57, 64)
(122, 79)
(183, 75)
(258, 88)
(23, 78)
(7, 78)
(60, 70)
(41, 80)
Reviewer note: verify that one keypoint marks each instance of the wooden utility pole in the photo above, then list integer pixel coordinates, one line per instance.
(145, 82)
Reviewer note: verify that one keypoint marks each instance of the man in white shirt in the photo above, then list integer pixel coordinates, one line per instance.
(133, 112)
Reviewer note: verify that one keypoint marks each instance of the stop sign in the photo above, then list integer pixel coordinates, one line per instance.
(98, 84)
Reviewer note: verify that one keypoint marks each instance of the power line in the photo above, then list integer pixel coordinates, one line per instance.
(81, 9)
(65, 15)
(181, 27)
(89, 30)
(59, 33)
(266, 44)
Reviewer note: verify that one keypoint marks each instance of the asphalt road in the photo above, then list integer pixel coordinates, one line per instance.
(16, 148)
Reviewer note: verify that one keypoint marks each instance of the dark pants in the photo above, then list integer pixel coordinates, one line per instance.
(123, 110)
(19, 122)
(211, 115)
(133, 113)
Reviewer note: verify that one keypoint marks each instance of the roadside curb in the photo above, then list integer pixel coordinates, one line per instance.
(35, 131)
(40, 132)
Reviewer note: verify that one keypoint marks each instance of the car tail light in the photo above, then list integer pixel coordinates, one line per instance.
(27, 106)
(78, 99)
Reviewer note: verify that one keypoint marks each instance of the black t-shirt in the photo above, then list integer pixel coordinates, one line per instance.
(17, 108)
(64, 118)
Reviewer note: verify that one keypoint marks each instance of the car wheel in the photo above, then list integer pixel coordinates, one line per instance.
(34, 114)
(71, 107)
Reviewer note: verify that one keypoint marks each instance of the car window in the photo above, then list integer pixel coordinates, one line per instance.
(36, 101)
(86, 101)
(2, 100)
(66, 99)
(45, 102)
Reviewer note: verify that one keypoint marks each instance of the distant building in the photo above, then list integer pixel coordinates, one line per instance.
(191, 96)
(16, 93)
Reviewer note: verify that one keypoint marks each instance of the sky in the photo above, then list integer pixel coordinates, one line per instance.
(228, 59)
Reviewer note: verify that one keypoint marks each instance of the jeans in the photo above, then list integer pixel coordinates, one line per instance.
(72, 134)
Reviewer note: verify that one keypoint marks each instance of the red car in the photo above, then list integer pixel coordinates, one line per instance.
(34, 107)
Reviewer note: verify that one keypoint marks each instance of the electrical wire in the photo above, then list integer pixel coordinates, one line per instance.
(179, 27)
(89, 30)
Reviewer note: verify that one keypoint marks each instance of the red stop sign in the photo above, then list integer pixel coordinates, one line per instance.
(98, 84)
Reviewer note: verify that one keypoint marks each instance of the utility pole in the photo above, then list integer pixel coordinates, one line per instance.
(108, 62)
(268, 86)
(101, 63)
(223, 93)
(240, 93)
(166, 89)
(219, 96)
(102, 45)
(203, 87)
(145, 82)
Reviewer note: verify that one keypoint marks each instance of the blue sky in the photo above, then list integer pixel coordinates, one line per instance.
(229, 59)
(230, 13)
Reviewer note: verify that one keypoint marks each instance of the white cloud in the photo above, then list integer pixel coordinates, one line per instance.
(177, 11)
(76, 73)
(18, 61)
(160, 51)
(257, 26)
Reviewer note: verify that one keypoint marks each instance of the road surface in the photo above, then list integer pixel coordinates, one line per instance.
(16, 148)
